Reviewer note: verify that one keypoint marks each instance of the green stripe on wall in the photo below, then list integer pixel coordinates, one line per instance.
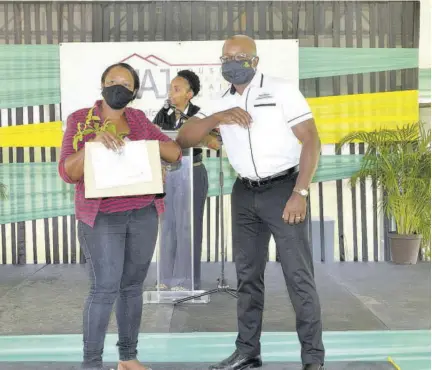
(328, 62)
(30, 74)
(36, 191)
(425, 85)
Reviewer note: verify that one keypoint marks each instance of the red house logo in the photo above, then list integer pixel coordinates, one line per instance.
(159, 62)
(156, 74)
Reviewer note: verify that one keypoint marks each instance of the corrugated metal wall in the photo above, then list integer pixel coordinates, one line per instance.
(314, 23)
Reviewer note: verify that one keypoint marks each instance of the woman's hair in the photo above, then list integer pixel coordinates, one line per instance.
(130, 69)
(192, 79)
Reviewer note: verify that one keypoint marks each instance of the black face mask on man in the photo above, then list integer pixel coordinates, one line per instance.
(238, 72)
(117, 96)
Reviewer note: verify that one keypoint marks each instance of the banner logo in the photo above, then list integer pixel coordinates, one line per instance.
(156, 74)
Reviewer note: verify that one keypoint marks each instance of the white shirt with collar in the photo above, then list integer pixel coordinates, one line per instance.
(269, 146)
(180, 118)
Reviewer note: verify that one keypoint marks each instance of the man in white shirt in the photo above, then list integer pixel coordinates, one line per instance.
(272, 142)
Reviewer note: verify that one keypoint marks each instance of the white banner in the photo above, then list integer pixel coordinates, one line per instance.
(157, 63)
(425, 34)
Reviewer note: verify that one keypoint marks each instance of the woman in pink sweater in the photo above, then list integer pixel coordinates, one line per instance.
(117, 235)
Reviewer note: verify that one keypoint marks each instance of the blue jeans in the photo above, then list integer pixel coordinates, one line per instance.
(118, 252)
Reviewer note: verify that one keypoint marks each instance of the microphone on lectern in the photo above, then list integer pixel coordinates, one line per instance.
(167, 107)
(170, 108)
(167, 104)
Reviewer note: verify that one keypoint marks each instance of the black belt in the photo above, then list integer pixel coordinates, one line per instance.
(270, 179)
(197, 158)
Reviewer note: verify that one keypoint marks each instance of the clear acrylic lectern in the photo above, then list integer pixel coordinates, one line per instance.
(176, 253)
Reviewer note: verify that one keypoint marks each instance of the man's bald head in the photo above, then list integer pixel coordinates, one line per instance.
(239, 44)
(239, 61)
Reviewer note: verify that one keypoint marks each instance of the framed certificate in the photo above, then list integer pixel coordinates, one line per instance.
(136, 170)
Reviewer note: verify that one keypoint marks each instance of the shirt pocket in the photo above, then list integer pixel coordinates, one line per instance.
(263, 112)
(267, 121)
(264, 105)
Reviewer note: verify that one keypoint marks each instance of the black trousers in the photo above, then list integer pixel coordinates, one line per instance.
(256, 214)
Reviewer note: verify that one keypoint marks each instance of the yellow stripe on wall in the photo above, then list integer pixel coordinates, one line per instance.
(48, 134)
(335, 116)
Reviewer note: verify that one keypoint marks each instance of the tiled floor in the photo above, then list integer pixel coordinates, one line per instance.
(370, 311)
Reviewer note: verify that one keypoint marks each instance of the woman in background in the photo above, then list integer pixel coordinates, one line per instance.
(175, 247)
(117, 235)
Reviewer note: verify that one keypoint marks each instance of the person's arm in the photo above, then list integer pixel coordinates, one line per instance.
(71, 163)
(74, 167)
(296, 206)
(195, 129)
(306, 132)
(170, 151)
(298, 117)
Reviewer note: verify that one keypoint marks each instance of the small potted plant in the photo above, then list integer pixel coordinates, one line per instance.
(399, 162)
(93, 125)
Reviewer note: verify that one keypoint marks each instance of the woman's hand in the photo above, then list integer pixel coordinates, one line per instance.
(212, 142)
(110, 140)
(164, 171)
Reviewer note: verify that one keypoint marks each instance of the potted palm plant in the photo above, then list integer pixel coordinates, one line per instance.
(399, 162)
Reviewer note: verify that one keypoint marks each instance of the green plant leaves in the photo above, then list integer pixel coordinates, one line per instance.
(399, 161)
(92, 125)
(109, 127)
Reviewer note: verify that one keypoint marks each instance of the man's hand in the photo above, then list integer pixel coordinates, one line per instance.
(295, 209)
(234, 116)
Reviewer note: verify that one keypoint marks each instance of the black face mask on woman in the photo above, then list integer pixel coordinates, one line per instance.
(117, 96)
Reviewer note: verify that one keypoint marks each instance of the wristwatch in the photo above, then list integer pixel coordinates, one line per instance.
(303, 192)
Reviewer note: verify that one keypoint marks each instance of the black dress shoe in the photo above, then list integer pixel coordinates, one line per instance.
(313, 367)
(237, 361)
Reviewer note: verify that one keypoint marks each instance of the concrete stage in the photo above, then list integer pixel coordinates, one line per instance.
(370, 311)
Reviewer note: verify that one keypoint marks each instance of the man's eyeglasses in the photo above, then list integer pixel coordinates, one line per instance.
(238, 57)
